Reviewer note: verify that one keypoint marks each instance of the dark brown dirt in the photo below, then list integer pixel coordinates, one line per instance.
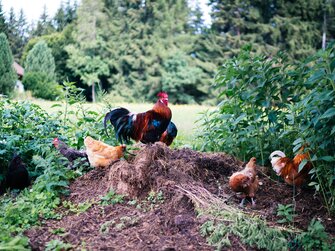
(171, 224)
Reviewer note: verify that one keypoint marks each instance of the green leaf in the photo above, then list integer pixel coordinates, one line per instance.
(297, 141)
(297, 147)
(302, 164)
(317, 75)
(329, 113)
(327, 158)
(56, 105)
(333, 131)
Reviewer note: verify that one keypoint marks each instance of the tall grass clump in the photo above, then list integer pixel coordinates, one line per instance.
(268, 104)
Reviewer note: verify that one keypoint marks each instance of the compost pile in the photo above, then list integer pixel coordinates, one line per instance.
(158, 212)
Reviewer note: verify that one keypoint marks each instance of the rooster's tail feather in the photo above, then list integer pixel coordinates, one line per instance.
(169, 134)
(119, 118)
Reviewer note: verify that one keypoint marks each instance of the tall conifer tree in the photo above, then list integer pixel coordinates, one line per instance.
(7, 73)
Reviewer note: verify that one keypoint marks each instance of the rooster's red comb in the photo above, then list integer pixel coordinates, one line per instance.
(162, 95)
(56, 139)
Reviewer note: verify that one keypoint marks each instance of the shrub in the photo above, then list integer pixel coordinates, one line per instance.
(250, 118)
(42, 86)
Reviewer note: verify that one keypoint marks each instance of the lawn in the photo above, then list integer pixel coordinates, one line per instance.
(184, 116)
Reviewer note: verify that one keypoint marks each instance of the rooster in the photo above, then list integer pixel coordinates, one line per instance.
(245, 181)
(69, 153)
(17, 176)
(288, 169)
(100, 154)
(146, 127)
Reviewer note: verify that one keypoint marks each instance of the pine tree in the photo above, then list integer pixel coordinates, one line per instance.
(70, 12)
(3, 23)
(7, 73)
(40, 72)
(17, 35)
(270, 25)
(44, 25)
(59, 18)
(22, 34)
(85, 55)
(148, 43)
(40, 59)
(197, 20)
(12, 31)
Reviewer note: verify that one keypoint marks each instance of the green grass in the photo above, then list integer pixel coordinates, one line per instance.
(184, 116)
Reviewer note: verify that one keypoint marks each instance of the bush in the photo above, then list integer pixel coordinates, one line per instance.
(250, 119)
(42, 86)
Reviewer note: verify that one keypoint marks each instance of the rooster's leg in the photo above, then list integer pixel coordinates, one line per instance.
(242, 202)
(253, 203)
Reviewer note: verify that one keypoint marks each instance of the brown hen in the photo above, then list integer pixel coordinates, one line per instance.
(100, 154)
(245, 181)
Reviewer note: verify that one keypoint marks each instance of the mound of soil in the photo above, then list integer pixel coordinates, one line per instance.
(168, 223)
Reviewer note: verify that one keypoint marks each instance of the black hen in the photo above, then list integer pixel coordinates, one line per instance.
(17, 176)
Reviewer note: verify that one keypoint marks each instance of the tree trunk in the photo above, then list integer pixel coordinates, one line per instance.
(324, 30)
(93, 92)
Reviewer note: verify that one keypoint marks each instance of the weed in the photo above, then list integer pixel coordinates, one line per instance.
(155, 197)
(57, 245)
(127, 221)
(286, 213)
(78, 208)
(132, 202)
(58, 231)
(111, 198)
(104, 228)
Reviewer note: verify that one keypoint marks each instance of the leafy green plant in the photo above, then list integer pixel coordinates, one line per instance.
(78, 208)
(16, 243)
(104, 228)
(315, 238)
(111, 198)
(315, 112)
(38, 202)
(155, 197)
(249, 118)
(57, 245)
(286, 213)
(59, 231)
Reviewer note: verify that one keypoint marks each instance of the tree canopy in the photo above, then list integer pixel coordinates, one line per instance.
(135, 48)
